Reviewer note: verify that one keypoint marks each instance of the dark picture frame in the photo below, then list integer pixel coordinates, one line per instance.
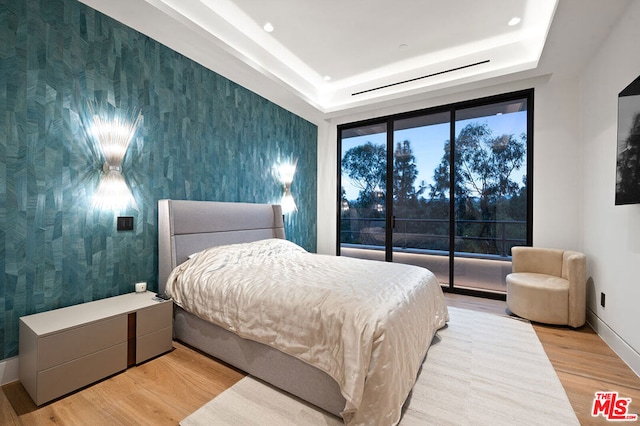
(628, 145)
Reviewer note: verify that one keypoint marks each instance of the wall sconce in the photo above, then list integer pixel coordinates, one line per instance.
(286, 172)
(113, 133)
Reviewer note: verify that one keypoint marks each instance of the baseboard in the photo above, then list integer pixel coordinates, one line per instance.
(629, 355)
(8, 370)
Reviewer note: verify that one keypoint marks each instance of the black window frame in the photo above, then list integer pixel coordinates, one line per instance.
(388, 121)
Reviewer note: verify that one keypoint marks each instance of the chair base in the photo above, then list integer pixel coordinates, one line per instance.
(538, 297)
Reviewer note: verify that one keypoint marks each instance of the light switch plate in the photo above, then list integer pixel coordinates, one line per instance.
(125, 223)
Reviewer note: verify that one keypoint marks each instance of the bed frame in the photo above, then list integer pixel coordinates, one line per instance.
(186, 227)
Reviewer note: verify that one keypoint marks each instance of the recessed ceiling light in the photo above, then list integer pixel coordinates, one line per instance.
(403, 46)
(268, 27)
(514, 21)
(327, 78)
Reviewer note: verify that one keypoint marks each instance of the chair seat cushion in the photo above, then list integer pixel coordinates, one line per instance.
(540, 281)
(538, 297)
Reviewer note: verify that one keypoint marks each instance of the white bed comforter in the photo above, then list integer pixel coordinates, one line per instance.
(368, 324)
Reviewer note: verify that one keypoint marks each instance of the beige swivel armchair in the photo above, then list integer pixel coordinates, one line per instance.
(548, 285)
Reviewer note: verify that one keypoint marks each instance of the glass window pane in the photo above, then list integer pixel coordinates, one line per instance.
(421, 192)
(490, 191)
(363, 180)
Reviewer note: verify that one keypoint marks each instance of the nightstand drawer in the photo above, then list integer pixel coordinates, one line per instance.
(153, 344)
(77, 342)
(65, 378)
(154, 318)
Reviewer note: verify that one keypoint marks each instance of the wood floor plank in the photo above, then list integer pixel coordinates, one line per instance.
(166, 389)
(580, 393)
(161, 391)
(583, 353)
(8, 415)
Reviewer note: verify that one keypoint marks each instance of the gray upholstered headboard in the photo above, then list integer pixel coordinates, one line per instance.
(187, 227)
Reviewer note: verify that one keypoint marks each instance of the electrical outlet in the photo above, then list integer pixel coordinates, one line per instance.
(125, 223)
(602, 299)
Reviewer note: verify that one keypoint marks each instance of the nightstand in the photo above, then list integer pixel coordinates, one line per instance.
(66, 349)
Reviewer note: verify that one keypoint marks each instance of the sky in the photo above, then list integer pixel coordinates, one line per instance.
(427, 144)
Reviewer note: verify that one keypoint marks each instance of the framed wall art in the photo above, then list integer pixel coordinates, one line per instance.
(628, 152)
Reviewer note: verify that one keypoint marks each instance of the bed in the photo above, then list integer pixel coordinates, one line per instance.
(354, 361)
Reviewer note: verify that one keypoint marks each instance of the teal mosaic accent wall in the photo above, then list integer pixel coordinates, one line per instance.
(203, 137)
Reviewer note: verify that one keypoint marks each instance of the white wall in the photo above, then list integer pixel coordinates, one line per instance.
(611, 233)
(327, 183)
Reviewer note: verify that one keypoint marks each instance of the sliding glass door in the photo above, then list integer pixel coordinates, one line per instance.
(445, 188)
(420, 220)
(490, 202)
(363, 200)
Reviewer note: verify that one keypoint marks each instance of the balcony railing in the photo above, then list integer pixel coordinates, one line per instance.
(477, 238)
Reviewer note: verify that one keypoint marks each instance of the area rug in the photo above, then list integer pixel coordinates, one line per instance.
(482, 369)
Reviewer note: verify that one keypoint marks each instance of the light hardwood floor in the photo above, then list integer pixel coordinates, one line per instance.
(583, 362)
(165, 390)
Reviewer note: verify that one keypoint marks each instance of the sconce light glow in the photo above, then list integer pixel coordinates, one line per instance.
(113, 192)
(287, 203)
(286, 172)
(113, 133)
